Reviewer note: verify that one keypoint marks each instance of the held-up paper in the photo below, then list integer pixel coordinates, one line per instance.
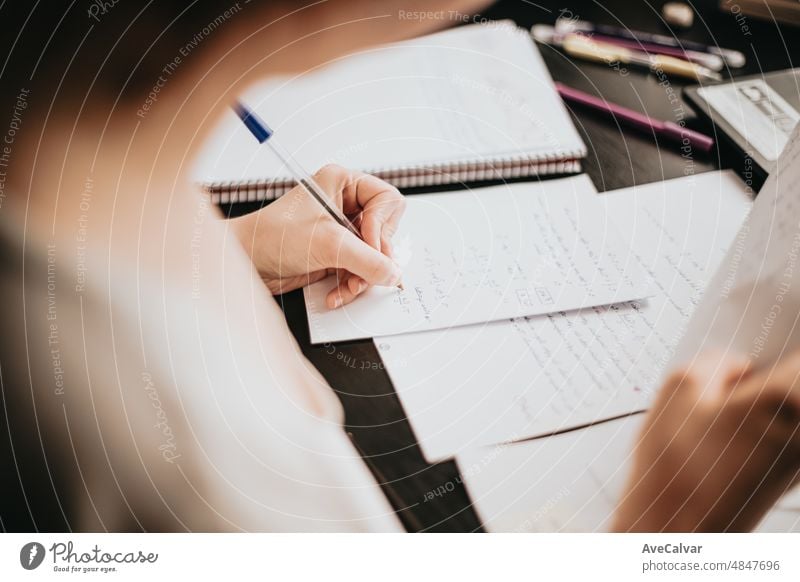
(490, 254)
(752, 307)
(510, 380)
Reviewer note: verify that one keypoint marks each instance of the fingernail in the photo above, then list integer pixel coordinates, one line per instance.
(337, 301)
(362, 286)
(397, 275)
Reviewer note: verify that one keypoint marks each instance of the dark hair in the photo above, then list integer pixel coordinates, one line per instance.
(117, 47)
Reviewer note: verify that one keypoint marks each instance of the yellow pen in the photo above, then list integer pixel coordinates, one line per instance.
(583, 47)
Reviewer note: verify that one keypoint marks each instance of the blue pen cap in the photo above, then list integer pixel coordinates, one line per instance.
(260, 130)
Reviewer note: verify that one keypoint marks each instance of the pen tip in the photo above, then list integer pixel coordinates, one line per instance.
(401, 287)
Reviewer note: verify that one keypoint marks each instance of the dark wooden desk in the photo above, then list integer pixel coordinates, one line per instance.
(616, 160)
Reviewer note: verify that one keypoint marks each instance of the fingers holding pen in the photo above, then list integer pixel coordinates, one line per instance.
(375, 209)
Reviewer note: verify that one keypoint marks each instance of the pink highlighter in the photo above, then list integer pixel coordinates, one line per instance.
(667, 129)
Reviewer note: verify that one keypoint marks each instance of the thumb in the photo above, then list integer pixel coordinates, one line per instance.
(712, 374)
(719, 372)
(361, 259)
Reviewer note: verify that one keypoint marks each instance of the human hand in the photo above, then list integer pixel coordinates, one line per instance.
(294, 242)
(720, 446)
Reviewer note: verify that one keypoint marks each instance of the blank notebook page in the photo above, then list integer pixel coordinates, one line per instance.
(477, 94)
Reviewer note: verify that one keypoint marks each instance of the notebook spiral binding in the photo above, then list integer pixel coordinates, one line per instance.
(521, 166)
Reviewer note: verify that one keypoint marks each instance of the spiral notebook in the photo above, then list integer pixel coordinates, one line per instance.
(468, 104)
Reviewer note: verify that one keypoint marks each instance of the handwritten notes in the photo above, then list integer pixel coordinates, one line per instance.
(531, 376)
(491, 254)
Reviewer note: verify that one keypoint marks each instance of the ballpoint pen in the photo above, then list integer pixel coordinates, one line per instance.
(631, 118)
(262, 132)
(583, 47)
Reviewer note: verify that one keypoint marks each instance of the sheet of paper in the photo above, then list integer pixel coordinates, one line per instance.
(490, 254)
(569, 482)
(752, 306)
(510, 380)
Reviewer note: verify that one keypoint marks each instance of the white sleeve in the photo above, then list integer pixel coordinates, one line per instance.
(184, 413)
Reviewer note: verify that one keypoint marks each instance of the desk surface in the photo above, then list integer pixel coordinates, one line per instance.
(615, 160)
